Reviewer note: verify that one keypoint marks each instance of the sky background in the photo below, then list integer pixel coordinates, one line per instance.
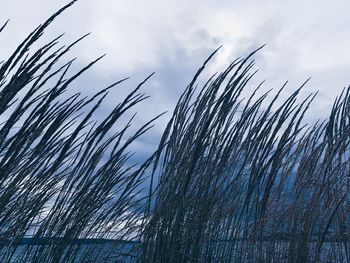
(173, 38)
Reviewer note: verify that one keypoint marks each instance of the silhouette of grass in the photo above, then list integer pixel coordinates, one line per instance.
(241, 182)
(64, 175)
(233, 179)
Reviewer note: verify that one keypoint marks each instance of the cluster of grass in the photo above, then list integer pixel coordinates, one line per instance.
(244, 180)
(233, 179)
(64, 175)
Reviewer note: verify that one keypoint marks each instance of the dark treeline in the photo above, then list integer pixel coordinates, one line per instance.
(233, 179)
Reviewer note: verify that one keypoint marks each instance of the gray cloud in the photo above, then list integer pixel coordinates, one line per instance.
(174, 37)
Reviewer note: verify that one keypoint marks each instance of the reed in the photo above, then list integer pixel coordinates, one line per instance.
(234, 179)
(65, 175)
(246, 180)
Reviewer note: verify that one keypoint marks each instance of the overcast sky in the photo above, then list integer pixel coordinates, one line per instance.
(304, 39)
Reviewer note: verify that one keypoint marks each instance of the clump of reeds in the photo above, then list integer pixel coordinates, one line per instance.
(63, 174)
(245, 180)
(234, 179)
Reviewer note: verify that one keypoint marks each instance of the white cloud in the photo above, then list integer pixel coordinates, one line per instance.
(305, 38)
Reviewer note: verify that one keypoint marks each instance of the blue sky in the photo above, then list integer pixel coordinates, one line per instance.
(173, 38)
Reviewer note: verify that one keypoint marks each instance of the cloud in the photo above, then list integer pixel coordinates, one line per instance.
(174, 37)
